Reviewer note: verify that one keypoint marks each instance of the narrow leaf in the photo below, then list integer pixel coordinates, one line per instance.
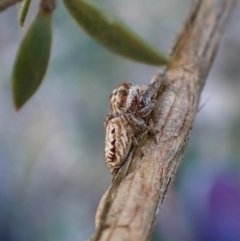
(113, 34)
(23, 7)
(32, 59)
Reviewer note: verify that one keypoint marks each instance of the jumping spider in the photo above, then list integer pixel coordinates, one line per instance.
(130, 108)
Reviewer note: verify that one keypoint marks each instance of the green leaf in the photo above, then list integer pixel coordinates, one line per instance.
(113, 34)
(22, 8)
(32, 59)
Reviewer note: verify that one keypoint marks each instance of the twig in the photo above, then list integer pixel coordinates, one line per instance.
(129, 207)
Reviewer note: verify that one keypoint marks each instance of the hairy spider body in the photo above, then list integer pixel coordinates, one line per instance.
(130, 108)
(121, 133)
(118, 141)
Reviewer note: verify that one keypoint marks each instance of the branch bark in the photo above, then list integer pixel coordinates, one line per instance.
(129, 207)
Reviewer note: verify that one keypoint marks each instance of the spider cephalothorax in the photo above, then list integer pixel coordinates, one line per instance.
(118, 98)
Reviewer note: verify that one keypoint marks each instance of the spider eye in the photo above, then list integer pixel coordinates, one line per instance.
(124, 92)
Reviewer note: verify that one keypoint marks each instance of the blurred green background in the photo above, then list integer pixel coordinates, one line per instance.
(52, 170)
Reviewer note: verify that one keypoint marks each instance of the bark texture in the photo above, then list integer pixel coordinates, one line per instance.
(129, 207)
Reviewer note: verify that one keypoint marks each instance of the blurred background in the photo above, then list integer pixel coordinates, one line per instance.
(52, 170)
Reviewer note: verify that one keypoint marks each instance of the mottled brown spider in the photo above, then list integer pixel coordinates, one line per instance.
(130, 108)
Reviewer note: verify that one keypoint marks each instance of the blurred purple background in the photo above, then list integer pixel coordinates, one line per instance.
(52, 171)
